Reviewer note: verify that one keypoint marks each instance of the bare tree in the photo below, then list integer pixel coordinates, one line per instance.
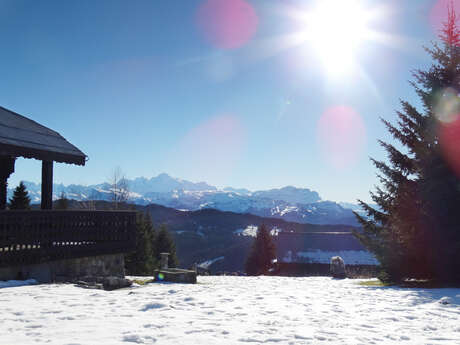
(119, 189)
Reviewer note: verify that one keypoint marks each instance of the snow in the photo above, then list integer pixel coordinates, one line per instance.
(231, 310)
(288, 209)
(351, 257)
(275, 231)
(251, 230)
(197, 232)
(133, 195)
(208, 263)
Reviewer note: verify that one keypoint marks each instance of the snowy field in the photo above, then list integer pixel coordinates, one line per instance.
(231, 310)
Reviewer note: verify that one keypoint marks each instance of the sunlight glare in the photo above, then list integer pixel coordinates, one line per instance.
(336, 29)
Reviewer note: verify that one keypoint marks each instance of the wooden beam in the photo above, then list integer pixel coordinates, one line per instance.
(47, 185)
(42, 155)
(6, 169)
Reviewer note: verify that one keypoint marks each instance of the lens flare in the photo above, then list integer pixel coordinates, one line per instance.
(447, 105)
(449, 140)
(227, 24)
(212, 149)
(160, 276)
(341, 136)
(439, 13)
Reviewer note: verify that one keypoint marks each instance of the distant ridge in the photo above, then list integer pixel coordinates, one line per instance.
(207, 234)
(290, 203)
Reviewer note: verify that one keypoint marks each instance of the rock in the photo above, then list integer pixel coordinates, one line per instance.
(89, 285)
(338, 267)
(105, 283)
(445, 300)
(113, 283)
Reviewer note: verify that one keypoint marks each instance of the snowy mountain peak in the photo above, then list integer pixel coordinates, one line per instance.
(242, 191)
(163, 183)
(290, 194)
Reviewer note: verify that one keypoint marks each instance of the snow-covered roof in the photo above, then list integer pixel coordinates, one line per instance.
(22, 137)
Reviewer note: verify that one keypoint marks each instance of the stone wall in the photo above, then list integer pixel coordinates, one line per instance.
(70, 269)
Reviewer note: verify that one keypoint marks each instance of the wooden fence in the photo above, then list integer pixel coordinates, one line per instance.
(28, 237)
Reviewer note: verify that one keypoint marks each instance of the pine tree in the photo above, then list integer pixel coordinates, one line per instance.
(142, 261)
(415, 233)
(262, 254)
(164, 243)
(20, 199)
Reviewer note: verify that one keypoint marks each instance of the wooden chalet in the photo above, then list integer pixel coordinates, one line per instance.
(32, 237)
(22, 137)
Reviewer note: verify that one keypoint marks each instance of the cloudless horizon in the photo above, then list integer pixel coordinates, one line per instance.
(249, 94)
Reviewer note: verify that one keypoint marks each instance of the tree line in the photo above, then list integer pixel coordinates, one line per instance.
(150, 242)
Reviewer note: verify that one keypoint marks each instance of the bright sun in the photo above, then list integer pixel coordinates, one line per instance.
(336, 29)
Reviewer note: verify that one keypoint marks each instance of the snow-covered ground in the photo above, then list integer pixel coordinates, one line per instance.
(231, 310)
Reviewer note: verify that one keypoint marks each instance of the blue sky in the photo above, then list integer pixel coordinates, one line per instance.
(144, 86)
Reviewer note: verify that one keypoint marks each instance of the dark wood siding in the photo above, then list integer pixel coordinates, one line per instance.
(28, 237)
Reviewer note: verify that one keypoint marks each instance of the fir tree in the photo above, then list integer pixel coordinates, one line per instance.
(262, 254)
(62, 203)
(164, 243)
(20, 199)
(142, 261)
(415, 233)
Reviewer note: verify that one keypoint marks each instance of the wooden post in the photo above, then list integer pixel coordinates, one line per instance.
(6, 169)
(47, 185)
(164, 261)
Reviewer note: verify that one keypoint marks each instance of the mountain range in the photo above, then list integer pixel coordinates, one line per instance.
(293, 204)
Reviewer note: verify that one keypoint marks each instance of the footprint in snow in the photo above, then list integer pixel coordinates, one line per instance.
(34, 326)
(133, 338)
(149, 306)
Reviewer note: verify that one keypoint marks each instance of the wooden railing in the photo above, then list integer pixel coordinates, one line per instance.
(28, 237)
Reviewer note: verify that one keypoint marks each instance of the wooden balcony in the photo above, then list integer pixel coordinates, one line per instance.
(30, 237)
